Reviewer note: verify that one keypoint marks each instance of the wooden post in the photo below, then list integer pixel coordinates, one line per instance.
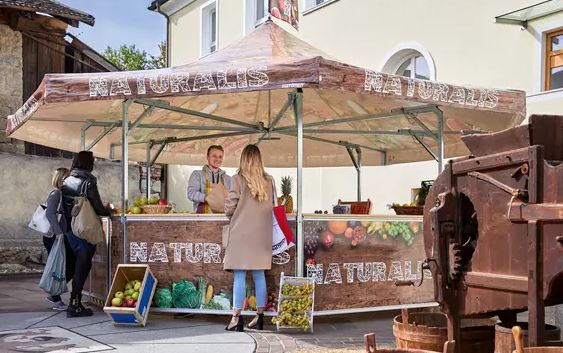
(536, 313)
(371, 346)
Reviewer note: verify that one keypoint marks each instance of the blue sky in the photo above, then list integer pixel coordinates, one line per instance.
(120, 22)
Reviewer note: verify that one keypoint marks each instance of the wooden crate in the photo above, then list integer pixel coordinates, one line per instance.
(138, 315)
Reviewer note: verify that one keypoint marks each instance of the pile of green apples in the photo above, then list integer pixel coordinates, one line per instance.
(129, 296)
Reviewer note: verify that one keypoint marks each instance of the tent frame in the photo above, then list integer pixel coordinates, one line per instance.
(299, 130)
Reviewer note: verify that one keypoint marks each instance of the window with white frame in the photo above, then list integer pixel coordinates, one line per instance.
(414, 66)
(256, 12)
(208, 28)
(309, 4)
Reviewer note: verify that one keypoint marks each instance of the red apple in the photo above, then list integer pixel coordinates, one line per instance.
(131, 303)
(163, 202)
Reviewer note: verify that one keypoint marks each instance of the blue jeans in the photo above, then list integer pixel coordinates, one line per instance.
(239, 288)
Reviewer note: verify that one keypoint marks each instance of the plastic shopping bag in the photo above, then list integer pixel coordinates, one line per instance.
(53, 280)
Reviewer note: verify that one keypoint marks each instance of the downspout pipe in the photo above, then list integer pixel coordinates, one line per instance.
(167, 33)
(168, 51)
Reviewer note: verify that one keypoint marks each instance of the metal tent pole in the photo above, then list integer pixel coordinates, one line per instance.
(298, 109)
(125, 173)
(440, 136)
(148, 171)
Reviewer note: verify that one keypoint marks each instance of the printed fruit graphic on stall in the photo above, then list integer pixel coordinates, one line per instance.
(286, 198)
(327, 239)
(163, 202)
(312, 232)
(153, 200)
(136, 210)
(337, 227)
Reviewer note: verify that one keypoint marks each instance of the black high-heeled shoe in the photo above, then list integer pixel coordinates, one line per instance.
(239, 327)
(257, 323)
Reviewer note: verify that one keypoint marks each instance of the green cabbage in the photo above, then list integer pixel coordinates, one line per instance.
(185, 295)
(163, 298)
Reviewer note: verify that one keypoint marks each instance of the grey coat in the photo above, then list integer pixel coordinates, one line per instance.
(196, 185)
(54, 208)
(250, 235)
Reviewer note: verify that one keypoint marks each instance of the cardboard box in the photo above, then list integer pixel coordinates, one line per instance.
(138, 315)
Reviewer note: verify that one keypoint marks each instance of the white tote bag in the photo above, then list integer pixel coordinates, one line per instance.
(39, 221)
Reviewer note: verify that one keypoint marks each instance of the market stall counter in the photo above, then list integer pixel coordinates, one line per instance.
(354, 259)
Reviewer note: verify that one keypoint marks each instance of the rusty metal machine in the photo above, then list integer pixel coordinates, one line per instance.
(493, 227)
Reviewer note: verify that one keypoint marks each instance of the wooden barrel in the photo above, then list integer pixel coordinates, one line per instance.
(504, 341)
(429, 331)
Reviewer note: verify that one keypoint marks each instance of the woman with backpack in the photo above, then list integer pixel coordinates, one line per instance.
(54, 214)
(79, 183)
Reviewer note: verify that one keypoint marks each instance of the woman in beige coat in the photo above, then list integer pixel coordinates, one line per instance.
(249, 245)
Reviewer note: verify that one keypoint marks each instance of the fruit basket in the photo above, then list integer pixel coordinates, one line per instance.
(130, 295)
(296, 303)
(407, 209)
(156, 209)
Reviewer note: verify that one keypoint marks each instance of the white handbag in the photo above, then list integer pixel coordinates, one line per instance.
(39, 221)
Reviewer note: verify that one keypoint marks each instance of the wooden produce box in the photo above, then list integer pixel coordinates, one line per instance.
(135, 316)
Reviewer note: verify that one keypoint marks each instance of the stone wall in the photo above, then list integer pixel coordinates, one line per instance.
(25, 183)
(11, 83)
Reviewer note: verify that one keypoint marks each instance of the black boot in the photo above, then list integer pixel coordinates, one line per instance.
(257, 322)
(76, 309)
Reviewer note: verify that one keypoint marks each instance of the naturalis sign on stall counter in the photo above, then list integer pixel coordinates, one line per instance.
(207, 253)
(362, 272)
(140, 84)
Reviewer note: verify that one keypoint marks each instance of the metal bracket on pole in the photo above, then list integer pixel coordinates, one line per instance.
(158, 152)
(426, 147)
(290, 101)
(141, 117)
(83, 130)
(357, 160)
(438, 136)
(106, 131)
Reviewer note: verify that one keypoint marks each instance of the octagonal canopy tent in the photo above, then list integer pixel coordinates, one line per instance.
(246, 91)
(304, 108)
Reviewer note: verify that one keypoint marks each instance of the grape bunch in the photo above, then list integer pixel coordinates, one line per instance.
(399, 229)
(297, 305)
(287, 319)
(302, 290)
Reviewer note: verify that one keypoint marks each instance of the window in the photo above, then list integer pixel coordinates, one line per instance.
(208, 28)
(309, 4)
(414, 66)
(256, 12)
(554, 60)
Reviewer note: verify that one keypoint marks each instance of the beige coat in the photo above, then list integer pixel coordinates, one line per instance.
(250, 234)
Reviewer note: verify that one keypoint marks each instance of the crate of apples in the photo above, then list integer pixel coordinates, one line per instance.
(128, 296)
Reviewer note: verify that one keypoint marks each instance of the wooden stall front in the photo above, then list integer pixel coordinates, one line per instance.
(355, 260)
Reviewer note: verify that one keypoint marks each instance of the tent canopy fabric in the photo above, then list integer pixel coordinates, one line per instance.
(245, 92)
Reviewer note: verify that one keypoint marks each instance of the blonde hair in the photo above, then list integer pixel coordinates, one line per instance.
(59, 176)
(252, 170)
